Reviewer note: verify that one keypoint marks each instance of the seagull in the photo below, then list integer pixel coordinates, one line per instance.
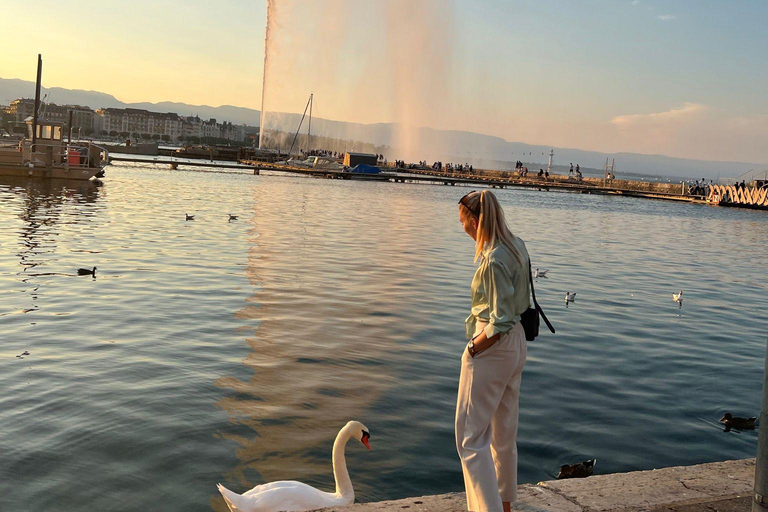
(570, 297)
(190, 217)
(86, 272)
(232, 217)
(678, 297)
(540, 273)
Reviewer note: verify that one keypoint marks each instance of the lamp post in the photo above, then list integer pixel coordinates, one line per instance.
(760, 503)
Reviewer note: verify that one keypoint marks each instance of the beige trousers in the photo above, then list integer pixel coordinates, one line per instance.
(486, 420)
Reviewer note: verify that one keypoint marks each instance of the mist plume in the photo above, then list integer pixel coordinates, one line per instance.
(367, 61)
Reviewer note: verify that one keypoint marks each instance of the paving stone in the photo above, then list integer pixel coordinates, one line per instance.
(715, 487)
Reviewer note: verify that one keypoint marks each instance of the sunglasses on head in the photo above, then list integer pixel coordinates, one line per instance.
(465, 202)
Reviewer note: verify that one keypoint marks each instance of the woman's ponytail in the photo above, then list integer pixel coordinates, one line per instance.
(492, 228)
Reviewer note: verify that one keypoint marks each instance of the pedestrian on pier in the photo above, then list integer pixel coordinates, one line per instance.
(570, 173)
(493, 360)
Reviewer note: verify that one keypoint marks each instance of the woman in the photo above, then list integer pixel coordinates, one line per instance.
(492, 363)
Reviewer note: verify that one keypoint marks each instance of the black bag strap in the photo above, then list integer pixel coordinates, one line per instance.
(535, 303)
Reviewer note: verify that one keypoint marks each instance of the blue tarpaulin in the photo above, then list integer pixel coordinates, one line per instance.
(365, 169)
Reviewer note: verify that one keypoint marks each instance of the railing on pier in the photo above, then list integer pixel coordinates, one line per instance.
(75, 155)
(725, 195)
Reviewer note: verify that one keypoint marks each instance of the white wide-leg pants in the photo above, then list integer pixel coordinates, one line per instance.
(486, 421)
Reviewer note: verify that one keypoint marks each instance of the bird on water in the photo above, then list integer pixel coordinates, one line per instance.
(570, 297)
(540, 273)
(580, 470)
(190, 217)
(296, 496)
(86, 272)
(731, 421)
(232, 217)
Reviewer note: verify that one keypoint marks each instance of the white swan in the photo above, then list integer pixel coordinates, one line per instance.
(570, 297)
(296, 496)
(678, 297)
(540, 273)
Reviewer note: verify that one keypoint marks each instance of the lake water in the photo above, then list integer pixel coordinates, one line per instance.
(212, 351)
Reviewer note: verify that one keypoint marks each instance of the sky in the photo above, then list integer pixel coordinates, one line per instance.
(684, 78)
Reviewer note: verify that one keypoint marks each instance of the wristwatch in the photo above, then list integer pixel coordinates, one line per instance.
(471, 348)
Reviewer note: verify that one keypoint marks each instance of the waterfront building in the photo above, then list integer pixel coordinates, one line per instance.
(143, 122)
(82, 117)
(113, 121)
(210, 129)
(191, 127)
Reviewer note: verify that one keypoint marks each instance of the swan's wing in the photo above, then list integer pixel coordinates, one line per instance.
(270, 486)
(281, 496)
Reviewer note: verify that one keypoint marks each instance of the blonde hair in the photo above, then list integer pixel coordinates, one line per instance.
(492, 228)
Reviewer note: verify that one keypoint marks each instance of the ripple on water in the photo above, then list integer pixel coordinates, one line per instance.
(212, 351)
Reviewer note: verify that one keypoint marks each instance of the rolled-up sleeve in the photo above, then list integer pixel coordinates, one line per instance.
(500, 290)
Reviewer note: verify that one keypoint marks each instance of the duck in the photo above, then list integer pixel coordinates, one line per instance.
(190, 217)
(738, 423)
(580, 470)
(296, 496)
(86, 272)
(232, 217)
(540, 273)
(678, 297)
(570, 297)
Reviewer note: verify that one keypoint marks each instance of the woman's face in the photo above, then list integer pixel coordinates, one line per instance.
(468, 221)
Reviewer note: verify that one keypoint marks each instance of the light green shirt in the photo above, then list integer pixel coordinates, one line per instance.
(501, 290)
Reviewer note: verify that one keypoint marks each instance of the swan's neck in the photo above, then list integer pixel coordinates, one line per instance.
(340, 474)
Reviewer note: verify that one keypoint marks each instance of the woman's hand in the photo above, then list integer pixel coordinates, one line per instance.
(482, 343)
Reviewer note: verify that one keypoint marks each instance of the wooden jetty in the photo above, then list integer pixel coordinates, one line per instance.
(174, 163)
(493, 179)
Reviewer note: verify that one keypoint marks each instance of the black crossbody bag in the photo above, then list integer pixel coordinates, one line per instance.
(530, 317)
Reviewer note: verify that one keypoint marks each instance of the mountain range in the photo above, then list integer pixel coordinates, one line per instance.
(445, 145)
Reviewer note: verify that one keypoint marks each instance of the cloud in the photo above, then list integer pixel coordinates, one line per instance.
(666, 17)
(692, 130)
(659, 118)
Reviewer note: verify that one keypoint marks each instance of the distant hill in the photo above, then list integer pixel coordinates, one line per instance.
(446, 145)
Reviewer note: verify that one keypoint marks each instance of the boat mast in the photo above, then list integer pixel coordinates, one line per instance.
(299, 128)
(37, 100)
(309, 128)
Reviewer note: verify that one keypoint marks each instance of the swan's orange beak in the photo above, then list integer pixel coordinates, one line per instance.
(365, 438)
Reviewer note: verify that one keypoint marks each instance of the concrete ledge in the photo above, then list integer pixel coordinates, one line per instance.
(718, 486)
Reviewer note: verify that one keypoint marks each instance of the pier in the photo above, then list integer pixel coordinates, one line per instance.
(489, 178)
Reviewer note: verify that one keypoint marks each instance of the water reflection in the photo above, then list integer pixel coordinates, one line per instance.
(331, 325)
(40, 211)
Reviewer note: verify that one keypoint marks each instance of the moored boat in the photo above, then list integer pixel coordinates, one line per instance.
(51, 157)
(46, 155)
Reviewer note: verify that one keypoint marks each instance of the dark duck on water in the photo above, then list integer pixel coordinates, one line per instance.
(738, 423)
(580, 470)
(86, 272)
